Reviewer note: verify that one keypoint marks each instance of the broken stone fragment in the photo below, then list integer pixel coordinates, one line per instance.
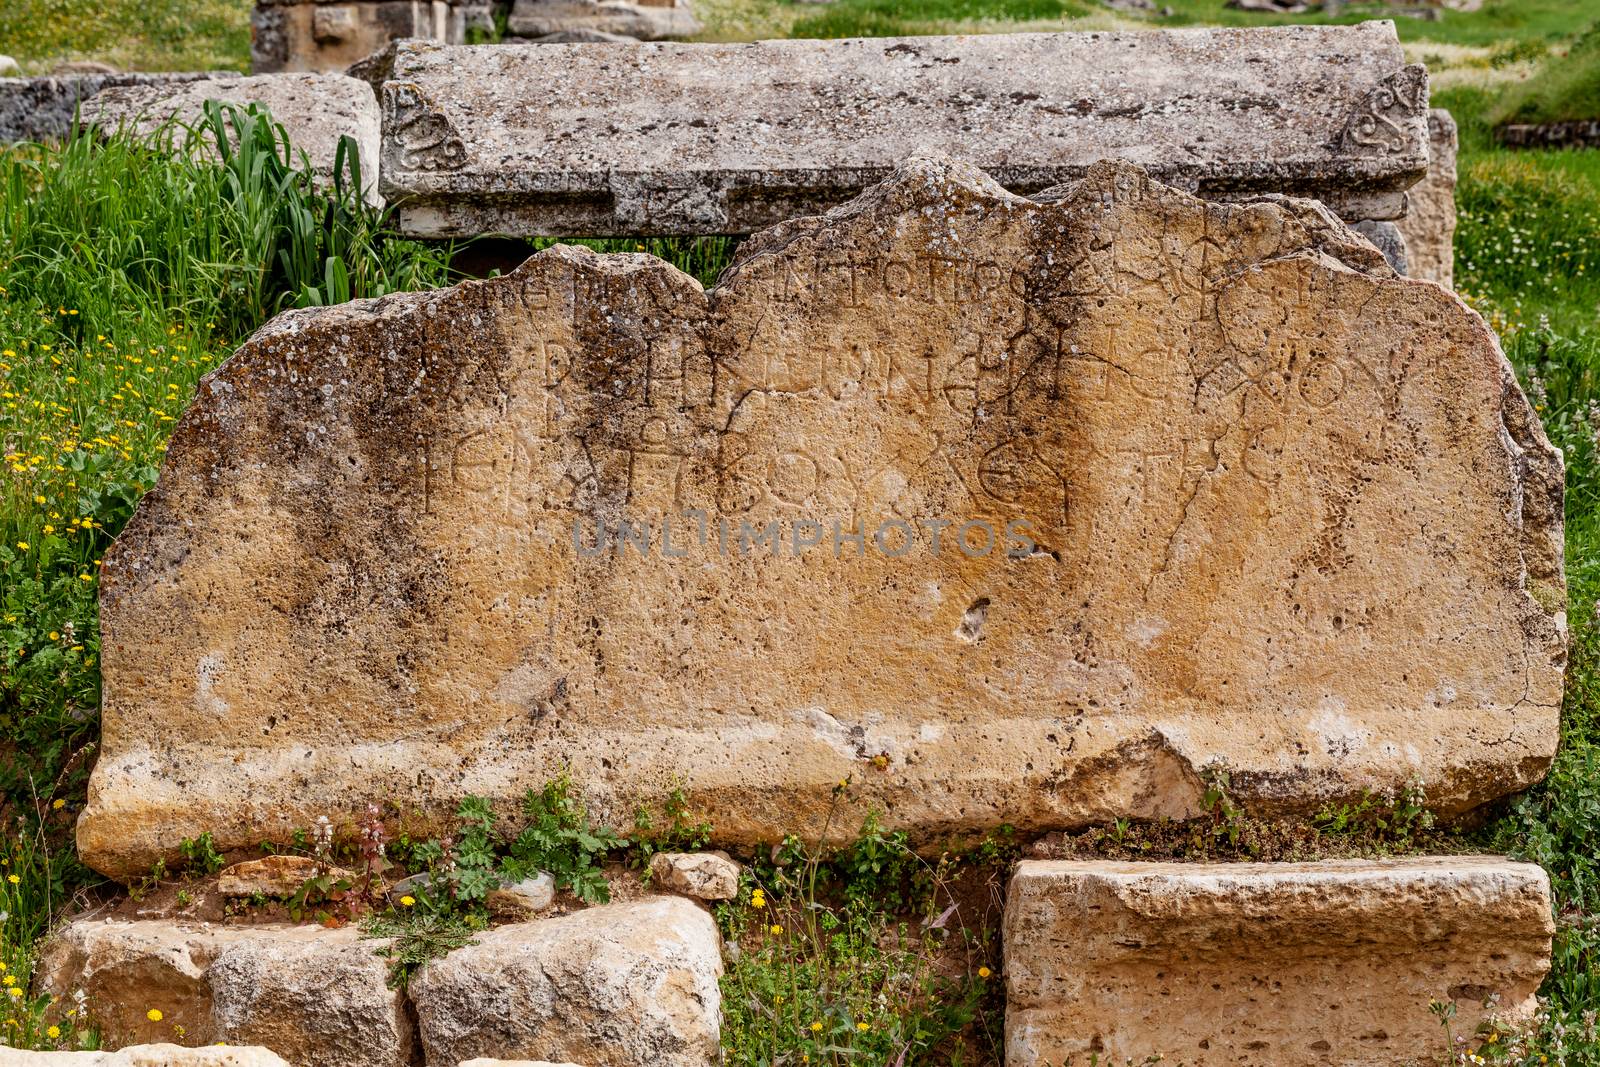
(279, 877)
(627, 985)
(159, 1055)
(521, 901)
(1429, 224)
(315, 996)
(706, 875)
(315, 109)
(1280, 964)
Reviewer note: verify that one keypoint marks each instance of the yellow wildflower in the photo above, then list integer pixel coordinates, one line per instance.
(984, 972)
(59, 803)
(13, 991)
(13, 879)
(53, 1033)
(816, 1028)
(154, 1015)
(775, 929)
(407, 901)
(863, 1027)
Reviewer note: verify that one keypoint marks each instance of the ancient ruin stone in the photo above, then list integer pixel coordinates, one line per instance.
(728, 138)
(1272, 964)
(1007, 512)
(42, 109)
(643, 20)
(317, 997)
(159, 1055)
(625, 985)
(521, 901)
(316, 110)
(706, 875)
(1429, 225)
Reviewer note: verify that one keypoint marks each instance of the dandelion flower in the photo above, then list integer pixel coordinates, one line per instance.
(53, 1033)
(407, 901)
(775, 929)
(59, 803)
(816, 1028)
(863, 1027)
(154, 1015)
(14, 992)
(13, 879)
(984, 972)
(8, 980)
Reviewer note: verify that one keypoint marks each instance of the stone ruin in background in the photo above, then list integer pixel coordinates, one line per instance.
(328, 36)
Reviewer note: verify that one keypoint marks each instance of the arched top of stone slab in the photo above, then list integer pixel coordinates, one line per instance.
(1003, 511)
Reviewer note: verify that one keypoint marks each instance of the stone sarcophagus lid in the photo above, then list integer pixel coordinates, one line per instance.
(594, 139)
(1007, 510)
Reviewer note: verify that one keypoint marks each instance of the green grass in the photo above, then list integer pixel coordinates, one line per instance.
(1565, 87)
(129, 34)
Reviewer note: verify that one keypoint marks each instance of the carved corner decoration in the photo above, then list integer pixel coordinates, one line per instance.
(422, 135)
(1385, 119)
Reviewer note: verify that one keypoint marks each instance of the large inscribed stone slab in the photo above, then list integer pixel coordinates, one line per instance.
(728, 138)
(1007, 511)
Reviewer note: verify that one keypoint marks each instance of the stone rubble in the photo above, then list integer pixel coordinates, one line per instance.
(317, 997)
(620, 985)
(704, 875)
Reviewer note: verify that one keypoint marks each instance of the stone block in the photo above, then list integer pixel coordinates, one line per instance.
(1429, 224)
(315, 996)
(621, 985)
(1279, 965)
(272, 876)
(728, 138)
(705, 875)
(1007, 511)
(42, 109)
(315, 109)
(642, 20)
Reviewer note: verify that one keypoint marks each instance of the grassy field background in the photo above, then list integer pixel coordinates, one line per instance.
(127, 272)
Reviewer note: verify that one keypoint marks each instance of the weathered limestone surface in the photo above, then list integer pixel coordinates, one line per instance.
(644, 20)
(42, 109)
(316, 110)
(1215, 484)
(626, 138)
(159, 1055)
(621, 985)
(1273, 964)
(316, 997)
(1429, 225)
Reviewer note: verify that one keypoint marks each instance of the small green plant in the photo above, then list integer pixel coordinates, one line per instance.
(1227, 817)
(559, 838)
(416, 936)
(1380, 818)
(200, 855)
(677, 829)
